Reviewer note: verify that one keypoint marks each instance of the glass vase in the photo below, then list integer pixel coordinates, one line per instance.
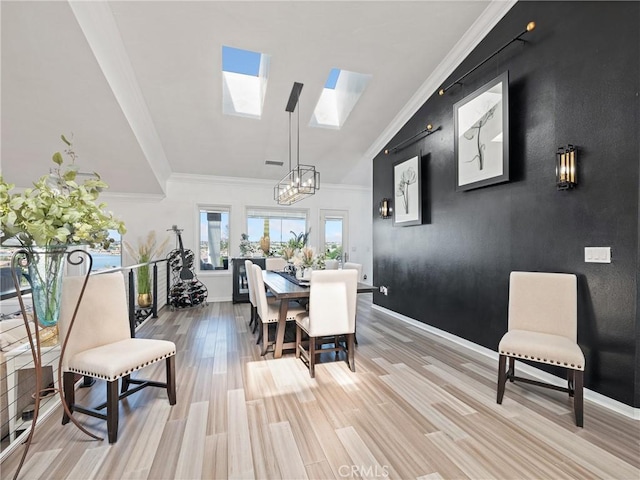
(45, 276)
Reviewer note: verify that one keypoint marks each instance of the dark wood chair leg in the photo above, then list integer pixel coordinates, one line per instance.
(68, 381)
(265, 338)
(571, 381)
(351, 340)
(255, 324)
(578, 401)
(125, 383)
(171, 379)
(298, 340)
(112, 411)
(502, 377)
(512, 369)
(312, 356)
(259, 333)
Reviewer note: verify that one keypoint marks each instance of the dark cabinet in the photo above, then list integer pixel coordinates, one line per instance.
(240, 284)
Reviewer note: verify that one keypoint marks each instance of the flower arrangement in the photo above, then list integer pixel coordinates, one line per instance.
(245, 245)
(58, 210)
(288, 253)
(306, 258)
(145, 252)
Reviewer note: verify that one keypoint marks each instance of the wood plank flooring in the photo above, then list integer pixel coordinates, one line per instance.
(417, 407)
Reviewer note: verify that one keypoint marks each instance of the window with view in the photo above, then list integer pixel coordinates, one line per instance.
(110, 258)
(214, 238)
(281, 226)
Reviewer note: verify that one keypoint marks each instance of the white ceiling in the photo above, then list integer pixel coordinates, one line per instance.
(138, 84)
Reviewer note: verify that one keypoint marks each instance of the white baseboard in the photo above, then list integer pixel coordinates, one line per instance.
(595, 397)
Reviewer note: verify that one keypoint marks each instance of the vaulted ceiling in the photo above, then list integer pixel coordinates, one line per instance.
(138, 83)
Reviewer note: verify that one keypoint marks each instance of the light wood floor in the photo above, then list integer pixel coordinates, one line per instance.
(417, 407)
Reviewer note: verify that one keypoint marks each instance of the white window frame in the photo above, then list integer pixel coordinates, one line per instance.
(211, 208)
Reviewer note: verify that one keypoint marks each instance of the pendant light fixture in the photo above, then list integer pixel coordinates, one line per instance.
(302, 181)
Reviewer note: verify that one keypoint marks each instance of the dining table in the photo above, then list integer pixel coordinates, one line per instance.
(285, 287)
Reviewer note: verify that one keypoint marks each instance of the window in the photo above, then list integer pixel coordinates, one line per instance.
(214, 238)
(279, 224)
(335, 224)
(111, 258)
(340, 94)
(244, 82)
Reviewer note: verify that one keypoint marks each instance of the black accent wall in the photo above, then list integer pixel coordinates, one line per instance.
(575, 80)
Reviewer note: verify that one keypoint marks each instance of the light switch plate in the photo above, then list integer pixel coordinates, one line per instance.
(597, 254)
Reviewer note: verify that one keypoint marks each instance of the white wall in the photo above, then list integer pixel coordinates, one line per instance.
(185, 192)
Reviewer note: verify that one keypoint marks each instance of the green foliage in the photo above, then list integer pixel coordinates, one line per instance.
(299, 240)
(335, 253)
(58, 210)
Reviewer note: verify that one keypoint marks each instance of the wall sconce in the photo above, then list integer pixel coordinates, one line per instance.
(385, 208)
(566, 167)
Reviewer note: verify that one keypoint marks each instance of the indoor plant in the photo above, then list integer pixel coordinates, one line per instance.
(146, 251)
(57, 212)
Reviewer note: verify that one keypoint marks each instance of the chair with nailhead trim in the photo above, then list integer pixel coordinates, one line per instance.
(542, 328)
(99, 345)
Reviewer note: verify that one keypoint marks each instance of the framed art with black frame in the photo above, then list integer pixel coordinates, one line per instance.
(481, 147)
(407, 184)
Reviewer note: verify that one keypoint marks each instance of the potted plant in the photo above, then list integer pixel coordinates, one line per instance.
(146, 251)
(57, 212)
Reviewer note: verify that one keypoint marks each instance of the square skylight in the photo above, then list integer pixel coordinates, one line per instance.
(244, 82)
(340, 94)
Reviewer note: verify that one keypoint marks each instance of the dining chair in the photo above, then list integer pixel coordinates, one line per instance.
(331, 264)
(353, 266)
(252, 295)
(543, 328)
(275, 264)
(269, 312)
(358, 267)
(332, 313)
(97, 343)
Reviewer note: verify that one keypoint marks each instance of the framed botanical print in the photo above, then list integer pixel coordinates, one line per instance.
(481, 144)
(407, 183)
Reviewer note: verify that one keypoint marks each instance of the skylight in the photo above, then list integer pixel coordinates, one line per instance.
(340, 94)
(244, 82)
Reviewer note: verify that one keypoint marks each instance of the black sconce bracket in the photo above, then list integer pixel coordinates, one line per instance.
(530, 26)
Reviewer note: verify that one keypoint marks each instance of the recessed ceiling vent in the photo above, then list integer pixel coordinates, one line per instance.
(273, 162)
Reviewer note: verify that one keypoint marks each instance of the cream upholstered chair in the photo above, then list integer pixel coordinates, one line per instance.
(268, 312)
(99, 344)
(353, 266)
(275, 264)
(252, 295)
(332, 313)
(331, 264)
(543, 328)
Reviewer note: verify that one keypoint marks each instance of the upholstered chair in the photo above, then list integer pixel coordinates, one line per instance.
(332, 313)
(353, 266)
(331, 264)
(99, 345)
(252, 295)
(269, 312)
(275, 264)
(543, 328)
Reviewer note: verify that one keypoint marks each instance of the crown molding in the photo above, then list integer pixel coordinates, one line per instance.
(461, 50)
(252, 182)
(138, 197)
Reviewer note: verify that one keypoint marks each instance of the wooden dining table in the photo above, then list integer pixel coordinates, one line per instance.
(284, 290)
